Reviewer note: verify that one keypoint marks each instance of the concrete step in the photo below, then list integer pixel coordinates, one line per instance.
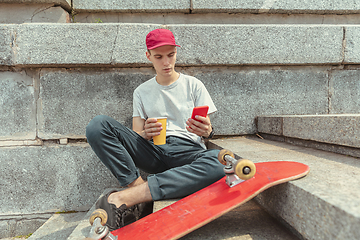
(59, 226)
(72, 225)
(37, 44)
(249, 93)
(331, 132)
(201, 6)
(323, 205)
(215, 12)
(246, 222)
(35, 11)
(66, 4)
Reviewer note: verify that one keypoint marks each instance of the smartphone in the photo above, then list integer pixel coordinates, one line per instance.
(201, 111)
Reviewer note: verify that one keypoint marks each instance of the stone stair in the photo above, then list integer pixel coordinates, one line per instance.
(59, 226)
(285, 70)
(325, 204)
(322, 205)
(331, 132)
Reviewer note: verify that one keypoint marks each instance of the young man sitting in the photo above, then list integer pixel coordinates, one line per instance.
(178, 168)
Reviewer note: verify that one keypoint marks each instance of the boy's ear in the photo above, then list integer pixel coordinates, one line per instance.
(148, 55)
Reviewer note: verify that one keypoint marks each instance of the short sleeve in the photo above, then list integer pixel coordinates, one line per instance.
(202, 97)
(138, 108)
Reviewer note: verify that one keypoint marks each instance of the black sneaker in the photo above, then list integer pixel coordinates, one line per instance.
(117, 217)
(146, 209)
(125, 216)
(143, 209)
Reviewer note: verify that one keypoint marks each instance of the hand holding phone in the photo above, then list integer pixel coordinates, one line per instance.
(201, 111)
(196, 126)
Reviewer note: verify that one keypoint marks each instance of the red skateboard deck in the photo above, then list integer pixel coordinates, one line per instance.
(200, 208)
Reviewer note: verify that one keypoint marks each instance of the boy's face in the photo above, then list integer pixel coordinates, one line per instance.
(163, 59)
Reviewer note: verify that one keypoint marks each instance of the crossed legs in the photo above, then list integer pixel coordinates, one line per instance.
(179, 167)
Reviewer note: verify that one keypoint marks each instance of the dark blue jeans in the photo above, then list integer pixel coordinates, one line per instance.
(178, 168)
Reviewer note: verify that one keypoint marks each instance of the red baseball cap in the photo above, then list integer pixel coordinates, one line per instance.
(160, 37)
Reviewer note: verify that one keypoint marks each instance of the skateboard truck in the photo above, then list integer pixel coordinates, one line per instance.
(236, 171)
(231, 178)
(98, 229)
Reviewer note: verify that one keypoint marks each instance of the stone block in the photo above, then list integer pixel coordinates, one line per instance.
(14, 143)
(270, 125)
(242, 94)
(70, 99)
(124, 44)
(66, 4)
(57, 2)
(59, 44)
(130, 45)
(334, 129)
(51, 178)
(341, 149)
(20, 225)
(339, 129)
(59, 226)
(170, 18)
(18, 106)
(325, 219)
(352, 51)
(82, 44)
(4, 229)
(26, 226)
(7, 37)
(133, 6)
(345, 91)
(32, 13)
(258, 44)
(273, 6)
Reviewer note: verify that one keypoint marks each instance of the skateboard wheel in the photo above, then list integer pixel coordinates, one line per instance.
(245, 169)
(222, 154)
(98, 213)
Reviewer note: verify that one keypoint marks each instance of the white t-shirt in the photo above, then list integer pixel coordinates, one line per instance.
(176, 102)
